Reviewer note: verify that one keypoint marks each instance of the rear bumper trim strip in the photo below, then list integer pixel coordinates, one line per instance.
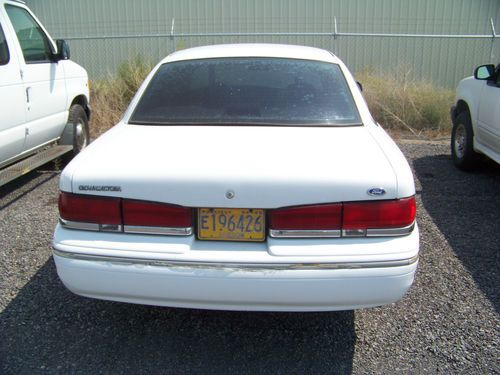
(241, 266)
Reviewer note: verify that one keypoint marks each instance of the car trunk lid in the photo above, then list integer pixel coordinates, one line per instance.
(234, 166)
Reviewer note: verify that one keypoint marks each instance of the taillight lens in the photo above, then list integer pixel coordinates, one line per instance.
(88, 212)
(322, 217)
(90, 209)
(352, 218)
(140, 213)
(379, 214)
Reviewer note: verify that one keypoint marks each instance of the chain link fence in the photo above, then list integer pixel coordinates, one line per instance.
(442, 58)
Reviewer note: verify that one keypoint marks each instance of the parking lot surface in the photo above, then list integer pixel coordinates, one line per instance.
(448, 322)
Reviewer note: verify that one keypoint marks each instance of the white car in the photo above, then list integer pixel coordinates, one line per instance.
(476, 118)
(242, 177)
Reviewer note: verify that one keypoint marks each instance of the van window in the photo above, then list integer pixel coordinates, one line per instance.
(4, 50)
(33, 41)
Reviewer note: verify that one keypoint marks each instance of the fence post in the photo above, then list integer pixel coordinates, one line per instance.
(493, 39)
(335, 36)
(334, 27)
(172, 32)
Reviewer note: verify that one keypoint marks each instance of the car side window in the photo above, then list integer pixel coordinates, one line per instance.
(4, 49)
(34, 43)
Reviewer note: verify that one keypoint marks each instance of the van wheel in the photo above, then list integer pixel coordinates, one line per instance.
(462, 150)
(81, 137)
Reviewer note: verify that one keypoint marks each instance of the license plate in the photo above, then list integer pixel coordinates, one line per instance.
(231, 224)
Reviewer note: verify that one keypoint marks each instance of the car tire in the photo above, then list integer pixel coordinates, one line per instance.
(462, 138)
(81, 135)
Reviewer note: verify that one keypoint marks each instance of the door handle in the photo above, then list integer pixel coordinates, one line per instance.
(28, 89)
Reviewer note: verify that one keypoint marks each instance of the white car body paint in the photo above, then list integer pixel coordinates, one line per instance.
(276, 166)
(321, 165)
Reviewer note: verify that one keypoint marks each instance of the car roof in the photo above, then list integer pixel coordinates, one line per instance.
(253, 50)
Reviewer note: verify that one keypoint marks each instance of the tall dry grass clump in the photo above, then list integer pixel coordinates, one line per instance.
(111, 96)
(399, 102)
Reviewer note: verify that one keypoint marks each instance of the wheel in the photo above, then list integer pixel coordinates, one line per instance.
(81, 137)
(462, 150)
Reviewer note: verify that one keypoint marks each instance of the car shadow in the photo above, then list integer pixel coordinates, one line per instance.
(45, 328)
(465, 208)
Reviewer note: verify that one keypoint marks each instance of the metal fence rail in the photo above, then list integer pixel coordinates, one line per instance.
(335, 34)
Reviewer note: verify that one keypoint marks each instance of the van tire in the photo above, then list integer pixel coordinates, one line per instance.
(81, 136)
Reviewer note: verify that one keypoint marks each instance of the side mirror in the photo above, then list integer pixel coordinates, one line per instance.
(359, 85)
(484, 72)
(62, 50)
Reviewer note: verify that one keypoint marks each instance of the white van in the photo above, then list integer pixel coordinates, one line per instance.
(44, 97)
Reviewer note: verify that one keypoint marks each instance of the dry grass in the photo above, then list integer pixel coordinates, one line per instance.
(110, 97)
(398, 102)
(401, 103)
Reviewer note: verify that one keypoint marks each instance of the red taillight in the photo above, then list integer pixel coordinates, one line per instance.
(111, 214)
(140, 213)
(379, 214)
(322, 217)
(355, 218)
(90, 209)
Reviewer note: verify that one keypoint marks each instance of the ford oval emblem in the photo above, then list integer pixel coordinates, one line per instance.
(376, 191)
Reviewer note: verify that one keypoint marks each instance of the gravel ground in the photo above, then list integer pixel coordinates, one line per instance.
(448, 322)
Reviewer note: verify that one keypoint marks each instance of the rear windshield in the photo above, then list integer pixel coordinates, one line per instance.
(239, 91)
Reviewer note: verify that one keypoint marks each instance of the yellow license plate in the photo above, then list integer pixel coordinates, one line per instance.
(231, 224)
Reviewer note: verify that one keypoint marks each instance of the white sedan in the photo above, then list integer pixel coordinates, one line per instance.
(242, 177)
